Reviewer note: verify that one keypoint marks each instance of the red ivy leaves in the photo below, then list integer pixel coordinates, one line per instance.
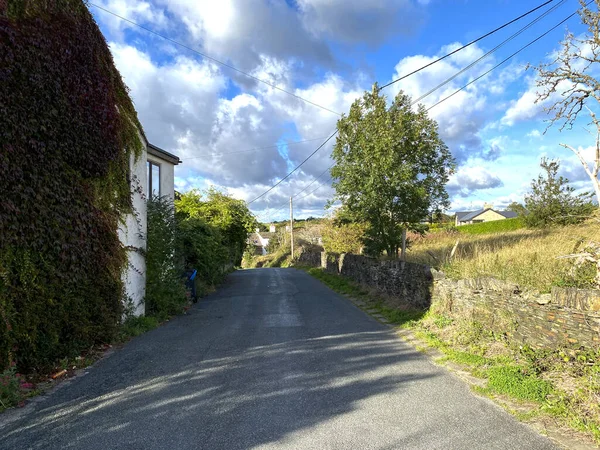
(67, 128)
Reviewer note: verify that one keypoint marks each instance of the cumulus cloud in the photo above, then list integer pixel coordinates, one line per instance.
(470, 179)
(362, 21)
(239, 135)
(460, 131)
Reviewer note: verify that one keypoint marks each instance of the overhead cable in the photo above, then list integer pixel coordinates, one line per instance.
(467, 45)
(204, 55)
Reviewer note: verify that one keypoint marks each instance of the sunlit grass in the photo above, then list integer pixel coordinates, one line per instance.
(526, 257)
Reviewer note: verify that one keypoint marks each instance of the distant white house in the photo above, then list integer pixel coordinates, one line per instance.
(487, 214)
(260, 239)
(153, 173)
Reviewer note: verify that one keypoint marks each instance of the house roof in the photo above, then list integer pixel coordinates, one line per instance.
(162, 154)
(508, 214)
(461, 214)
(471, 215)
(466, 216)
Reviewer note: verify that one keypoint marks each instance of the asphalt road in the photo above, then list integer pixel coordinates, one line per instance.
(273, 360)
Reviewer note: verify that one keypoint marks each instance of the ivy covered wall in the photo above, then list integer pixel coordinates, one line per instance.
(67, 131)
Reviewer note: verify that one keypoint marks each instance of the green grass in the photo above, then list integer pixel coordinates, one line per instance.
(347, 287)
(516, 373)
(134, 326)
(517, 383)
(496, 226)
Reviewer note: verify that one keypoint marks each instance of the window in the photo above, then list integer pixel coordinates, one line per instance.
(153, 174)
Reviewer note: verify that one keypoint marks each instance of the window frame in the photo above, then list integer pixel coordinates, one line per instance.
(149, 165)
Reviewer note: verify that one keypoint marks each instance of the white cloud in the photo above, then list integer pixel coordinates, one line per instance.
(463, 116)
(362, 21)
(472, 178)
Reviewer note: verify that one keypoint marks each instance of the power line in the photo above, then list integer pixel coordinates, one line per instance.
(255, 149)
(466, 45)
(312, 182)
(506, 59)
(314, 190)
(416, 71)
(296, 168)
(295, 197)
(149, 30)
(472, 64)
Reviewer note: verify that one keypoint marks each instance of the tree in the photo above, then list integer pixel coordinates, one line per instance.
(552, 201)
(518, 208)
(391, 168)
(343, 238)
(567, 84)
(231, 217)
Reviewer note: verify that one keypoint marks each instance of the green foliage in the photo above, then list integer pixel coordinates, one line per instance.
(343, 238)
(231, 217)
(213, 230)
(391, 168)
(202, 249)
(10, 393)
(67, 131)
(134, 326)
(165, 291)
(553, 202)
(517, 208)
(516, 382)
(495, 226)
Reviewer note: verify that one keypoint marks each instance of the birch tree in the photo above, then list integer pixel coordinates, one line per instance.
(569, 84)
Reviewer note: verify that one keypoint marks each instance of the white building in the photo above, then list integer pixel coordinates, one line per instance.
(153, 173)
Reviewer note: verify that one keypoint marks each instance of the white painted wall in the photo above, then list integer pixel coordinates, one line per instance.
(132, 233)
(133, 229)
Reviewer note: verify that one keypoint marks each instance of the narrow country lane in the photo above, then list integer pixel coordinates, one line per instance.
(274, 359)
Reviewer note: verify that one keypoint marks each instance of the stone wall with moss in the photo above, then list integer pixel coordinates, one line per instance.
(567, 316)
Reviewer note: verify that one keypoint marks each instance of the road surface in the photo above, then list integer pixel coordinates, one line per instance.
(273, 360)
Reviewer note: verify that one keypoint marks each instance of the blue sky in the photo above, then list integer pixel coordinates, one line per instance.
(240, 135)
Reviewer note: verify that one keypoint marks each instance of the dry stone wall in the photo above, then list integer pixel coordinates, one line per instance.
(567, 316)
(539, 320)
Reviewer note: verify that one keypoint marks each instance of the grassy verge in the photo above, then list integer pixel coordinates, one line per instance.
(536, 385)
(562, 384)
(526, 257)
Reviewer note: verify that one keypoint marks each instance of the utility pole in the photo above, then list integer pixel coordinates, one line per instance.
(292, 226)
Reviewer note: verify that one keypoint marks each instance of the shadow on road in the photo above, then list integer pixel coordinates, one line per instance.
(224, 396)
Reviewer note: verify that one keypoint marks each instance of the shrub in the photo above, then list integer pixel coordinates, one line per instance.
(165, 291)
(201, 248)
(553, 202)
(343, 238)
(9, 388)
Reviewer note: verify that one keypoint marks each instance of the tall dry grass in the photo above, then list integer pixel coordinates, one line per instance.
(526, 257)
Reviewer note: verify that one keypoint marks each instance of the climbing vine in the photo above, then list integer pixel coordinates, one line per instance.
(67, 132)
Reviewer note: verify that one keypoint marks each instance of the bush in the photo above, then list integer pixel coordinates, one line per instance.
(10, 393)
(495, 226)
(165, 290)
(343, 238)
(553, 202)
(134, 326)
(201, 249)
